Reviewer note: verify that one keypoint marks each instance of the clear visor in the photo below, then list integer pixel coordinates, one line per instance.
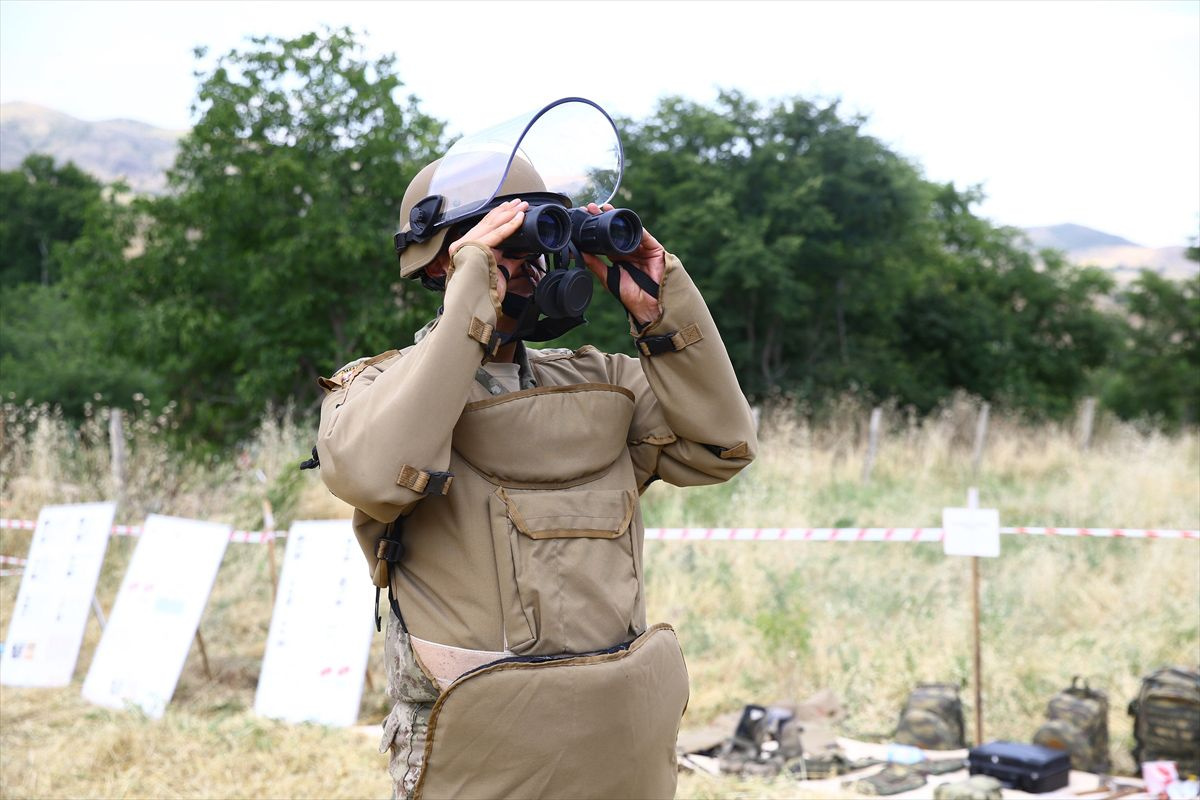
(570, 147)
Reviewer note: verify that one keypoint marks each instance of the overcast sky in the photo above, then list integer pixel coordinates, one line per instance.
(1085, 112)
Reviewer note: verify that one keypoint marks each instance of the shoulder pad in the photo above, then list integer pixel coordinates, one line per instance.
(348, 372)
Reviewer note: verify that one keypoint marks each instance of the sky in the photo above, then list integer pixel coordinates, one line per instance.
(1078, 111)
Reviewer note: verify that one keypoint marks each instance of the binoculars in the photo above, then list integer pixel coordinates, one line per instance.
(548, 228)
(565, 293)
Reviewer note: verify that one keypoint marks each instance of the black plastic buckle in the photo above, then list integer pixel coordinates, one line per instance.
(438, 482)
(313, 462)
(493, 346)
(389, 550)
(656, 345)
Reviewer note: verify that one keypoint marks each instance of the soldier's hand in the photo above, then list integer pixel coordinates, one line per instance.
(497, 225)
(650, 258)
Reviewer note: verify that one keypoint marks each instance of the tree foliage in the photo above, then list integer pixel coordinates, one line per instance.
(41, 205)
(830, 263)
(272, 260)
(1158, 371)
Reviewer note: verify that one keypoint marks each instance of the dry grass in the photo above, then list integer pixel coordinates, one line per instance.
(759, 622)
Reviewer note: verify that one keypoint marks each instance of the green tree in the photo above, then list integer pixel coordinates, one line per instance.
(794, 222)
(40, 205)
(831, 264)
(1158, 373)
(271, 262)
(998, 321)
(62, 343)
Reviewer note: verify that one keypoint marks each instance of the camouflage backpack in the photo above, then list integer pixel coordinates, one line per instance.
(977, 787)
(1166, 716)
(1077, 721)
(932, 718)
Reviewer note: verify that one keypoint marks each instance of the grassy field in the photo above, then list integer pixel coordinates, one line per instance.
(759, 622)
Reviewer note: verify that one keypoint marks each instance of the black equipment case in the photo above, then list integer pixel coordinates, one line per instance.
(1028, 767)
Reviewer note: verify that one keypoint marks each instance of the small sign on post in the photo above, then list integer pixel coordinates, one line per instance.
(971, 532)
(975, 532)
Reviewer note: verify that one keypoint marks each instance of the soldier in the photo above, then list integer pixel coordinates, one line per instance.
(496, 499)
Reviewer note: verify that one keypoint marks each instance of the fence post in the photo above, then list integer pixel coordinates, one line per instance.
(981, 426)
(1087, 418)
(116, 443)
(872, 443)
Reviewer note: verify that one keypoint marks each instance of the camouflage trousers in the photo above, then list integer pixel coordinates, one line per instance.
(406, 727)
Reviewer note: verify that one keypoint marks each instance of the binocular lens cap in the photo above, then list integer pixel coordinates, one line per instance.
(564, 293)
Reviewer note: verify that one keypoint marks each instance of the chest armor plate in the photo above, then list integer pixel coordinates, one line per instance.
(537, 547)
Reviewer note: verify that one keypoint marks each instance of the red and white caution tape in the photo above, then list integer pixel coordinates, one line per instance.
(13, 560)
(247, 537)
(796, 534)
(6, 572)
(889, 534)
(761, 534)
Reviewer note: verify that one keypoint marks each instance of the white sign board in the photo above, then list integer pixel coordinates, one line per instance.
(321, 630)
(971, 532)
(56, 593)
(157, 610)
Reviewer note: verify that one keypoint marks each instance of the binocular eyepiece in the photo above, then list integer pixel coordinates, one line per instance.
(548, 228)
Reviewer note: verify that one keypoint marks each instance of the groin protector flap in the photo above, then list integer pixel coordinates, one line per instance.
(571, 143)
(591, 726)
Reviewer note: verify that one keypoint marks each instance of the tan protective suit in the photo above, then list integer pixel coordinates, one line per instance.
(524, 570)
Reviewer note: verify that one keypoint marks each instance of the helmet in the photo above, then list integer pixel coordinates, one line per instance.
(522, 178)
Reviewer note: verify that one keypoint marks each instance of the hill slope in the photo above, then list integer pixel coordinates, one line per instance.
(112, 149)
(1121, 257)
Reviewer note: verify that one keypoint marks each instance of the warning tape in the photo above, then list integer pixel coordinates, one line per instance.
(13, 560)
(246, 537)
(763, 534)
(890, 534)
(6, 572)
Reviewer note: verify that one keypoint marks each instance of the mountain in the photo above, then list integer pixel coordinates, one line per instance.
(1070, 237)
(1120, 257)
(119, 148)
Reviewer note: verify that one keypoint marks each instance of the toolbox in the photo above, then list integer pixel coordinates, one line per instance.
(1028, 767)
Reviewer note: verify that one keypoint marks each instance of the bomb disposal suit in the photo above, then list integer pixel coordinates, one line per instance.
(498, 504)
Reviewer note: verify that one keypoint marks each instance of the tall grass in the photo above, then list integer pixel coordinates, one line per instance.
(759, 622)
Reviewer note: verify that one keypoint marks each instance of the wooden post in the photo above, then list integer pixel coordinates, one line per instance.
(1087, 417)
(269, 529)
(99, 614)
(973, 502)
(981, 426)
(872, 443)
(116, 444)
(203, 654)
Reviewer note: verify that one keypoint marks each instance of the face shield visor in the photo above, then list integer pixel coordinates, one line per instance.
(569, 148)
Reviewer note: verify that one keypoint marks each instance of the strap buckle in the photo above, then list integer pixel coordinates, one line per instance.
(439, 482)
(390, 550)
(656, 345)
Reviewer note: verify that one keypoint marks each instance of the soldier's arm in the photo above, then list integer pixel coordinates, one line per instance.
(386, 423)
(692, 424)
